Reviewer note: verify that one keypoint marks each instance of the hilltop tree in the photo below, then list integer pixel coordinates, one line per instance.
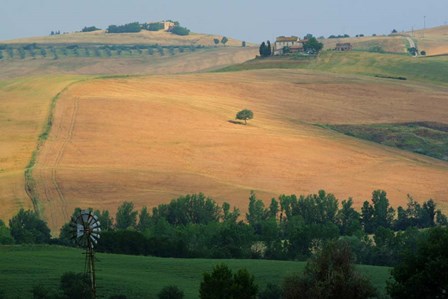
(224, 40)
(245, 115)
(243, 44)
(216, 41)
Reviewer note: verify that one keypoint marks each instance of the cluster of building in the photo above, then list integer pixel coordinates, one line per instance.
(293, 44)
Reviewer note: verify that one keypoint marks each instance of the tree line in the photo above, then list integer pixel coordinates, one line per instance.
(137, 27)
(289, 228)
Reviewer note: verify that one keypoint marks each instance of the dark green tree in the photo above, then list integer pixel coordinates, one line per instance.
(5, 234)
(218, 284)
(221, 284)
(244, 286)
(348, 218)
(268, 49)
(179, 30)
(126, 217)
(26, 227)
(367, 217)
(224, 40)
(262, 50)
(216, 41)
(329, 274)
(245, 115)
(243, 44)
(144, 220)
(383, 213)
(422, 273)
(171, 292)
(76, 286)
(312, 46)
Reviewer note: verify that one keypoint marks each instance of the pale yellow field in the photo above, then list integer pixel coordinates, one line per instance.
(434, 40)
(150, 139)
(24, 105)
(142, 37)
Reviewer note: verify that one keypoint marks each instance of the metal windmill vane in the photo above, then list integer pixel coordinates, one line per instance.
(86, 229)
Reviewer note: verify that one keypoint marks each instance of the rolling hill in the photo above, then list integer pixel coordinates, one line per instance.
(150, 139)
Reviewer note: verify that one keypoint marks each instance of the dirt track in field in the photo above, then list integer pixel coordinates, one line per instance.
(150, 139)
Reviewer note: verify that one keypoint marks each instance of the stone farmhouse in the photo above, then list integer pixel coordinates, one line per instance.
(343, 47)
(293, 43)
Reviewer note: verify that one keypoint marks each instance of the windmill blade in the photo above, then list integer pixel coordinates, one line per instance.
(80, 230)
(96, 235)
(95, 225)
(85, 216)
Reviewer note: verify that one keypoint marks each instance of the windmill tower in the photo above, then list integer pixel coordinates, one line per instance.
(85, 232)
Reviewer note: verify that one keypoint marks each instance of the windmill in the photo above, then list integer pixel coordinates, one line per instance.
(86, 230)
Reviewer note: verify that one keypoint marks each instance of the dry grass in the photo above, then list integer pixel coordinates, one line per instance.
(434, 40)
(150, 139)
(143, 37)
(200, 60)
(23, 109)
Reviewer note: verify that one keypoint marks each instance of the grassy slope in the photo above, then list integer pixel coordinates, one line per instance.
(165, 136)
(22, 267)
(427, 139)
(425, 69)
(23, 110)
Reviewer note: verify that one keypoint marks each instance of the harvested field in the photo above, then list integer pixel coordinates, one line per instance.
(24, 105)
(150, 139)
(434, 40)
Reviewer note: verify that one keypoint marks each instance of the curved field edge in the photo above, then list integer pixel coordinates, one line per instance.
(26, 266)
(24, 109)
(30, 182)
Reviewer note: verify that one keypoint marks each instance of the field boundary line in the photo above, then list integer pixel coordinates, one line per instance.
(30, 182)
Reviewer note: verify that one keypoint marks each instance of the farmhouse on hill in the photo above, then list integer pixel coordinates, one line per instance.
(292, 44)
(343, 47)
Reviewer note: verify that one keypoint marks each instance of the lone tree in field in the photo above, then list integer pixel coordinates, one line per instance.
(245, 115)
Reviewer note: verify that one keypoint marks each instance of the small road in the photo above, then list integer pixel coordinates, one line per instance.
(412, 44)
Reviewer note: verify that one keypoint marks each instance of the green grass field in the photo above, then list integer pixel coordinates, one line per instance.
(22, 267)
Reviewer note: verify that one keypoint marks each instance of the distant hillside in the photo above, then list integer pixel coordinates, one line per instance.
(433, 40)
(391, 44)
(142, 37)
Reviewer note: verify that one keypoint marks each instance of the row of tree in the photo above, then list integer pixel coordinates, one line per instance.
(290, 227)
(137, 27)
(34, 50)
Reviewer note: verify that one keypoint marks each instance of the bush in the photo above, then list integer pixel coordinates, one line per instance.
(90, 29)
(171, 292)
(179, 30)
(330, 274)
(272, 291)
(222, 284)
(76, 286)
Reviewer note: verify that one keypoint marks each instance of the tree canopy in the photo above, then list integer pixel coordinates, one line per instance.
(26, 227)
(245, 115)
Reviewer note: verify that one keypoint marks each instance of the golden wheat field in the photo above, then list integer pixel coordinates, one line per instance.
(150, 139)
(24, 105)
